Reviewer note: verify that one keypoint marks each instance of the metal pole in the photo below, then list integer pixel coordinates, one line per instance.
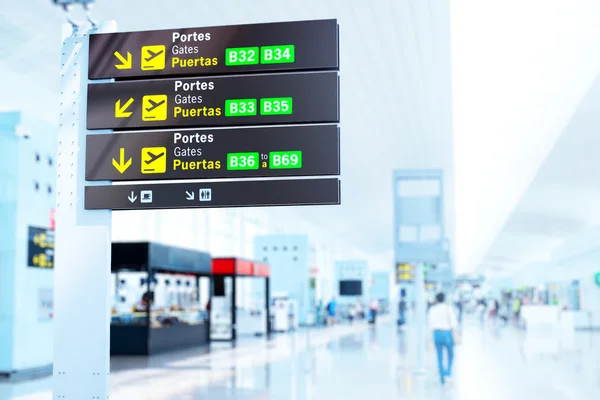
(421, 315)
(83, 245)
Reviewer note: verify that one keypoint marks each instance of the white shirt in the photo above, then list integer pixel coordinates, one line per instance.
(442, 317)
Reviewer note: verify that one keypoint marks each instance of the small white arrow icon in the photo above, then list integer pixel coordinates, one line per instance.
(132, 197)
(190, 195)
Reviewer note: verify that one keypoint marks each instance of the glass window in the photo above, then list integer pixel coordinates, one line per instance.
(130, 298)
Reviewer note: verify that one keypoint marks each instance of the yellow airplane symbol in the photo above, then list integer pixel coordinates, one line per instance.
(121, 112)
(121, 165)
(126, 63)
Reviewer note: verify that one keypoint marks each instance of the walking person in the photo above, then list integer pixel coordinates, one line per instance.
(373, 308)
(443, 324)
(402, 311)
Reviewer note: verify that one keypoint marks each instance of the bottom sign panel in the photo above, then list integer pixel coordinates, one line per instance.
(294, 192)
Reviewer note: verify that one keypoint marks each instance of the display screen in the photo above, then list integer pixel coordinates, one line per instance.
(40, 247)
(351, 288)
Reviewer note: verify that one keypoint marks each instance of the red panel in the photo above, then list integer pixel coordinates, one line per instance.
(223, 266)
(244, 267)
(261, 270)
(52, 219)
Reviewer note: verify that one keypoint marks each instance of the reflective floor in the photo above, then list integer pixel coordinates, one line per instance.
(359, 362)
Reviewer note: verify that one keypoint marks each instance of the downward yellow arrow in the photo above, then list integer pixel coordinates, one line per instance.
(121, 165)
(121, 112)
(126, 63)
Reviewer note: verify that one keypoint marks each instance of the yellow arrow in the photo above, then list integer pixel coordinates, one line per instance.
(126, 63)
(121, 165)
(121, 112)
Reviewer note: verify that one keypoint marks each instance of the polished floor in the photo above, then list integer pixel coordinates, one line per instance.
(360, 362)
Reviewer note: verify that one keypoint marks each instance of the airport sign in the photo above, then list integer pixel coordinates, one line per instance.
(218, 101)
(216, 153)
(405, 273)
(270, 47)
(40, 247)
(249, 193)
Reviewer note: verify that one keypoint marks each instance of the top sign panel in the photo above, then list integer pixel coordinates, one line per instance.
(285, 46)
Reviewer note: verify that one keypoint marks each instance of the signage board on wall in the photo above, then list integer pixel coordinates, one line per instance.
(40, 247)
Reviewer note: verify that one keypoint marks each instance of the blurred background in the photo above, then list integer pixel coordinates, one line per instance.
(468, 165)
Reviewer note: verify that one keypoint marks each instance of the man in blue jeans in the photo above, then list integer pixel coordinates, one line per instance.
(442, 322)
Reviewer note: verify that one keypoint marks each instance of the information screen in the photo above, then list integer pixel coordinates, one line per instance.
(217, 153)
(310, 97)
(40, 247)
(282, 46)
(351, 288)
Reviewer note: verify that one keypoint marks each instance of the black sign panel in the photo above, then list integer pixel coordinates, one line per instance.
(217, 153)
(405, 273)
(284, 46)
(219, 101)
(40, 247)
(214, 194)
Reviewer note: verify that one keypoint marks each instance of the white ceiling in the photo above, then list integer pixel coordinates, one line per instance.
(395, 74)
(562, 201)
(520, 67)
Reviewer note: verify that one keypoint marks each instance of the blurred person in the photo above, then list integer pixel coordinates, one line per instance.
(481, 307)
(494, 310)
(516, 309)
(360, 312)
(351, 313)
(460, 305)
(331, 309)
(402, 310)
(443, 324)
(373, 308)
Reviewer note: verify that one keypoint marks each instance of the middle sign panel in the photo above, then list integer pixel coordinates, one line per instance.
(217, 101)
(214, 153)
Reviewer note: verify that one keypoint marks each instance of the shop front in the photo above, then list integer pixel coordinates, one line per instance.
(160, 298)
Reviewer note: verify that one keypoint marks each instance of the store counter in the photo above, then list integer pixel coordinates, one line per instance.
(159, 300)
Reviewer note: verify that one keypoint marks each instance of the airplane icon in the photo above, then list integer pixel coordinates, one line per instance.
(154, 104)
(153, 157)
(153, 55)
(154, 160)
(154, 107)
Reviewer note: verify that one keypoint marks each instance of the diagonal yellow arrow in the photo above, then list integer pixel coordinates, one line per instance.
(126, 63)
(121, 165)
(121, 112)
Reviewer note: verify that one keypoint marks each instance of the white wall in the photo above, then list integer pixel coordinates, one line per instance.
(32, 341)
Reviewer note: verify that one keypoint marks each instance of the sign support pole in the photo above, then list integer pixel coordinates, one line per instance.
(421, 312)
(83, 245)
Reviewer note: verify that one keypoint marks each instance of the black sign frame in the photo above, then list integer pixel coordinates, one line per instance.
(249, 193)
(316, 47)
(319, 146)
(130, 105)
(40, 247)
